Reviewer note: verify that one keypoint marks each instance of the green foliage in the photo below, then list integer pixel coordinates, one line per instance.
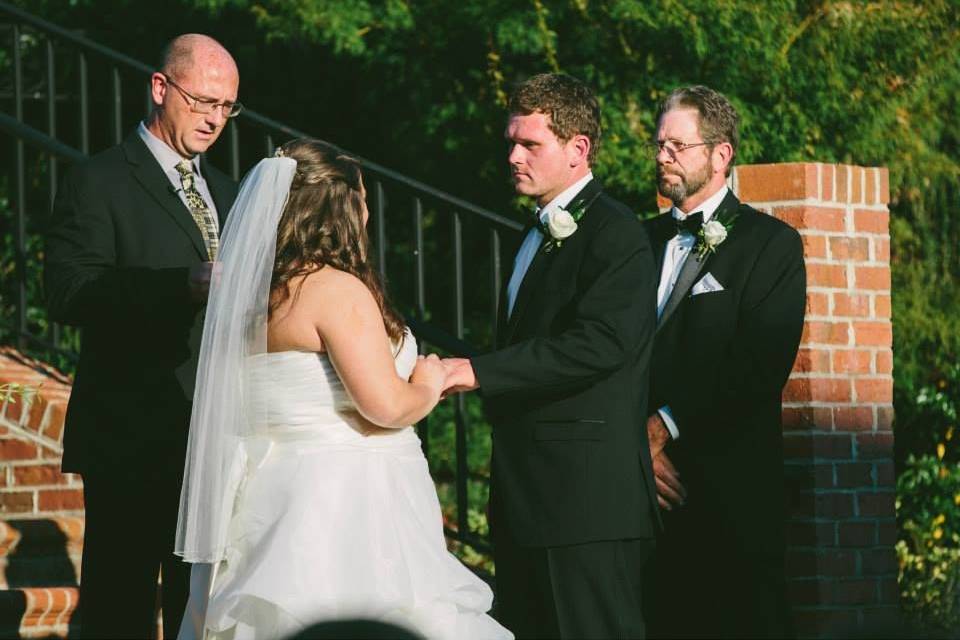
(928, 510)
(928, 507)
(847, 81)
(30, 261)
(13, 391)
(932, 419)
(343, 25)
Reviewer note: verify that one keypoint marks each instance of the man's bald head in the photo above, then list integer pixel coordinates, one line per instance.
(185, 52)
(193, 93)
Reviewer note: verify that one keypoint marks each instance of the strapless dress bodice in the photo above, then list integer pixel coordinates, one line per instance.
(296, 391)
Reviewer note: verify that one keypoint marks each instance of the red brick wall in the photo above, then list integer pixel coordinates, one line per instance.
(41, 510)
(838, 403)
(31, 435)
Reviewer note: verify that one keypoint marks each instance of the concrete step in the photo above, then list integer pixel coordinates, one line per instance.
(37, 612)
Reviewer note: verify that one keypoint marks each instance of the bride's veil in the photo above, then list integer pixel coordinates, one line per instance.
(234, 330)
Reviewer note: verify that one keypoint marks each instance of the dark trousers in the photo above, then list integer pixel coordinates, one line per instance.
(129, 537)
(705, 589)
(590, 590)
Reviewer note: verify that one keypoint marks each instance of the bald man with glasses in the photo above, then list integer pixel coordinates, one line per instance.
(134, 235)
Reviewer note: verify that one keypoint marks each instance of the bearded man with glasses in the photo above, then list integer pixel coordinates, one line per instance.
(129, 254)
(730, 306)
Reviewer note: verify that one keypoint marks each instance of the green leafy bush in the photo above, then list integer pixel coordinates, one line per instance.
(928, 510)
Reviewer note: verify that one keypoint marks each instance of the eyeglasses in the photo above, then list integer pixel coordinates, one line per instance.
(200, 105)
(674, 147)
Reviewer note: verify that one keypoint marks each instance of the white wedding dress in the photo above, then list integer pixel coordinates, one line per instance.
(329, 524)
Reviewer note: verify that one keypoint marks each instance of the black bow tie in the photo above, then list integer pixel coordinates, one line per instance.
(537, 222)
(691, 224)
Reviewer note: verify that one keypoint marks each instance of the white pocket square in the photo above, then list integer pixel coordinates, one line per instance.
(707, 284)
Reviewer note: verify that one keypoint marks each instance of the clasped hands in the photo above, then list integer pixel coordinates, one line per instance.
(458, 374)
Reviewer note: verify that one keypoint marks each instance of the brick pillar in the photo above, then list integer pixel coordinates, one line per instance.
(838, 403)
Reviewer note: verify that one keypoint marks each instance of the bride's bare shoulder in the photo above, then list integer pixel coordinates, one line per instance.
(332, 288)
(330, 278)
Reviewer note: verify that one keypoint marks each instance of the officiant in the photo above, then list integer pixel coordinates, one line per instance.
(129, 253)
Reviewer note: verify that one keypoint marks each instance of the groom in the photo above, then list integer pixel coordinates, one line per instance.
(573, 510)
(730, 305)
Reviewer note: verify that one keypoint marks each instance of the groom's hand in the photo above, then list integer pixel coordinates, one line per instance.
(670, 492)
(460, 376)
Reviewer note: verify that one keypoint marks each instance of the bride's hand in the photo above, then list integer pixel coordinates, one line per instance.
(430, 371)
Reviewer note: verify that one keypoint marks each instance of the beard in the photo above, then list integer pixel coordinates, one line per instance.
(689, 183)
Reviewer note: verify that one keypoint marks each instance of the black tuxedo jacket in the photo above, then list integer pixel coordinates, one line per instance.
(566, 391)
(118, 252)
(720, 362)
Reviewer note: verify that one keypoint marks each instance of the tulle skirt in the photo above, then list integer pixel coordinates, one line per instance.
(326, 531)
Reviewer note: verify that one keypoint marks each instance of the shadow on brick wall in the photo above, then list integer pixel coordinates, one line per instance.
(41, 558)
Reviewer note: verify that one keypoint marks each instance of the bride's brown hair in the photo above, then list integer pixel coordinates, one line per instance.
(322, 225)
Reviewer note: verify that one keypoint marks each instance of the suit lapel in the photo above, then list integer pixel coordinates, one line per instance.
(504, 300)
(537, 268)
(541, 262)
(694, 265)
(151, 177)
(662, 229)
(688, 275)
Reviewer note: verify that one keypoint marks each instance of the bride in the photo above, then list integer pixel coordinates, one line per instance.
(306, 495)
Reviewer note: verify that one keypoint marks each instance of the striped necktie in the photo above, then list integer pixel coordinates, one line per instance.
(201, 213)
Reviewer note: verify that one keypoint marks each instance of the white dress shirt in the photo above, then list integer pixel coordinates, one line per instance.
(674, 256)
(168, 159)
(531, 244)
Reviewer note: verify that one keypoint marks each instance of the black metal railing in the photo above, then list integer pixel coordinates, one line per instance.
(69, 96)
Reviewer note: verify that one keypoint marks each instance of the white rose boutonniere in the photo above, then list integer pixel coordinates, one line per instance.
(561, 224)
(714, 233)
(711, 235)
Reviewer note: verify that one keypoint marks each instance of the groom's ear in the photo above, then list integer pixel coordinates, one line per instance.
(579, 149)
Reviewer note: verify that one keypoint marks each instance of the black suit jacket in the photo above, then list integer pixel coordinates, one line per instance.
(720, 362)
(566, 391)
(118, 252)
